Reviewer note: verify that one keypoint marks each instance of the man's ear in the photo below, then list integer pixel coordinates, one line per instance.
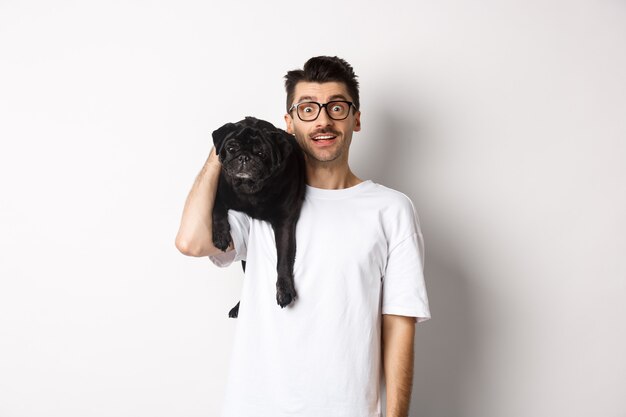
(357, 121)
(289, 123)
(220, 134)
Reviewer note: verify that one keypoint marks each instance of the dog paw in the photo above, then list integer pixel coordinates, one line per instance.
(221, 240)
(285, 292)
(234, 312)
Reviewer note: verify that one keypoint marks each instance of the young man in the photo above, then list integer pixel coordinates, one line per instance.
(358, 273)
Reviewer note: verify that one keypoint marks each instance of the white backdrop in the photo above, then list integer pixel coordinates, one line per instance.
(504, 121)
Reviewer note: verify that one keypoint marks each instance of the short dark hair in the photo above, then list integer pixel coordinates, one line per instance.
(323, 69)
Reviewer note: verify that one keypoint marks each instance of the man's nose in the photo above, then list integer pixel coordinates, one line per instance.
(323, 119)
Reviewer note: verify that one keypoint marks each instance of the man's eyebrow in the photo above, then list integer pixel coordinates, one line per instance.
(338, 96)
(302, 98)
(333, 97)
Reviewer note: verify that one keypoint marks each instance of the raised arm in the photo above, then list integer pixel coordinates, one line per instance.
(194, 236)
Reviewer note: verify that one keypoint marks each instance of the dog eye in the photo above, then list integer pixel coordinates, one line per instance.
(261, 154)
(230, 149)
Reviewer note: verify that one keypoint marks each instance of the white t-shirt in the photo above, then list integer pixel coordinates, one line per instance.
(359, 254)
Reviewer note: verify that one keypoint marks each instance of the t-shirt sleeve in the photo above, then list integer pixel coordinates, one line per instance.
(404, 289)
(239, 231)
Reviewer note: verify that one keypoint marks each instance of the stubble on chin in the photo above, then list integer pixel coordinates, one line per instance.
(311, 154)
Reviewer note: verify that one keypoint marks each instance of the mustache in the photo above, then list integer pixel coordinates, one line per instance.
(324, 132)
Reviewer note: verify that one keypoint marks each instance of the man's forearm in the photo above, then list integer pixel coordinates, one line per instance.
(398, 335)
(195, 233)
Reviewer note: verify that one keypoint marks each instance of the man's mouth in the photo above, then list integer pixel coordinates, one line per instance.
(323, 138)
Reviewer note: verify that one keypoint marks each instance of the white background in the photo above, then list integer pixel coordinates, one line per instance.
(504, 121)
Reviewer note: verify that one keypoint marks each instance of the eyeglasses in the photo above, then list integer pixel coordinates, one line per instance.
(310, 110)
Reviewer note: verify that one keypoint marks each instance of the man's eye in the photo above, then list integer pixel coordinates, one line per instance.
(307, 109)
(337, 108)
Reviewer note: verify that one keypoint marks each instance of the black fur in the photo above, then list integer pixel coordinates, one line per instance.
(263, 175)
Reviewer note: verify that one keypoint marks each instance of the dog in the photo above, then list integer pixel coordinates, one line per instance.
(263, 175)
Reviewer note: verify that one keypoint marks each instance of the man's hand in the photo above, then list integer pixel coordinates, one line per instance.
(214, 158)
(195, 235)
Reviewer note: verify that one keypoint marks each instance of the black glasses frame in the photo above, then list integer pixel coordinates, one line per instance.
(320, 106)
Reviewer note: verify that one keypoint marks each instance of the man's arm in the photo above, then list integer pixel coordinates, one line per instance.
(195, 235)
(398, 335)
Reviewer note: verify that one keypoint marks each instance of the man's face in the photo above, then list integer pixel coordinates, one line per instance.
(336, 147)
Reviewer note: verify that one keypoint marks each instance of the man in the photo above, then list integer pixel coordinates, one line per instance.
(358, 273)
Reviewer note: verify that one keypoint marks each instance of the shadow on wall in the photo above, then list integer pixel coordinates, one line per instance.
(446, 348)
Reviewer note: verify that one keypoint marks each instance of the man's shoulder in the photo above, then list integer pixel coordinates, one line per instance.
(397, 213)
(392, 197)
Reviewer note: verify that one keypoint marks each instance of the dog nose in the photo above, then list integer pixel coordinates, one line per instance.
(244, 158)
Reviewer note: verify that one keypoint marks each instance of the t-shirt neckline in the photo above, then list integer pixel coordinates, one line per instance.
(324, 193)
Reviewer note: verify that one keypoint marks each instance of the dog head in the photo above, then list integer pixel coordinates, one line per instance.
(251, 152)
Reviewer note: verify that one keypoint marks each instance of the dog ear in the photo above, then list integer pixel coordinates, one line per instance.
(220, 134)
(261, 124)
(285, 143)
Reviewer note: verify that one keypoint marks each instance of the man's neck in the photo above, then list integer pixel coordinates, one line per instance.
(330, 177)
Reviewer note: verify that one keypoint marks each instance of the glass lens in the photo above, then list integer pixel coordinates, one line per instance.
(338, 109)
(308, 111)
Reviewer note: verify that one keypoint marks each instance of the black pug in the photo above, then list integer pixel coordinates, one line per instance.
(263, 175)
